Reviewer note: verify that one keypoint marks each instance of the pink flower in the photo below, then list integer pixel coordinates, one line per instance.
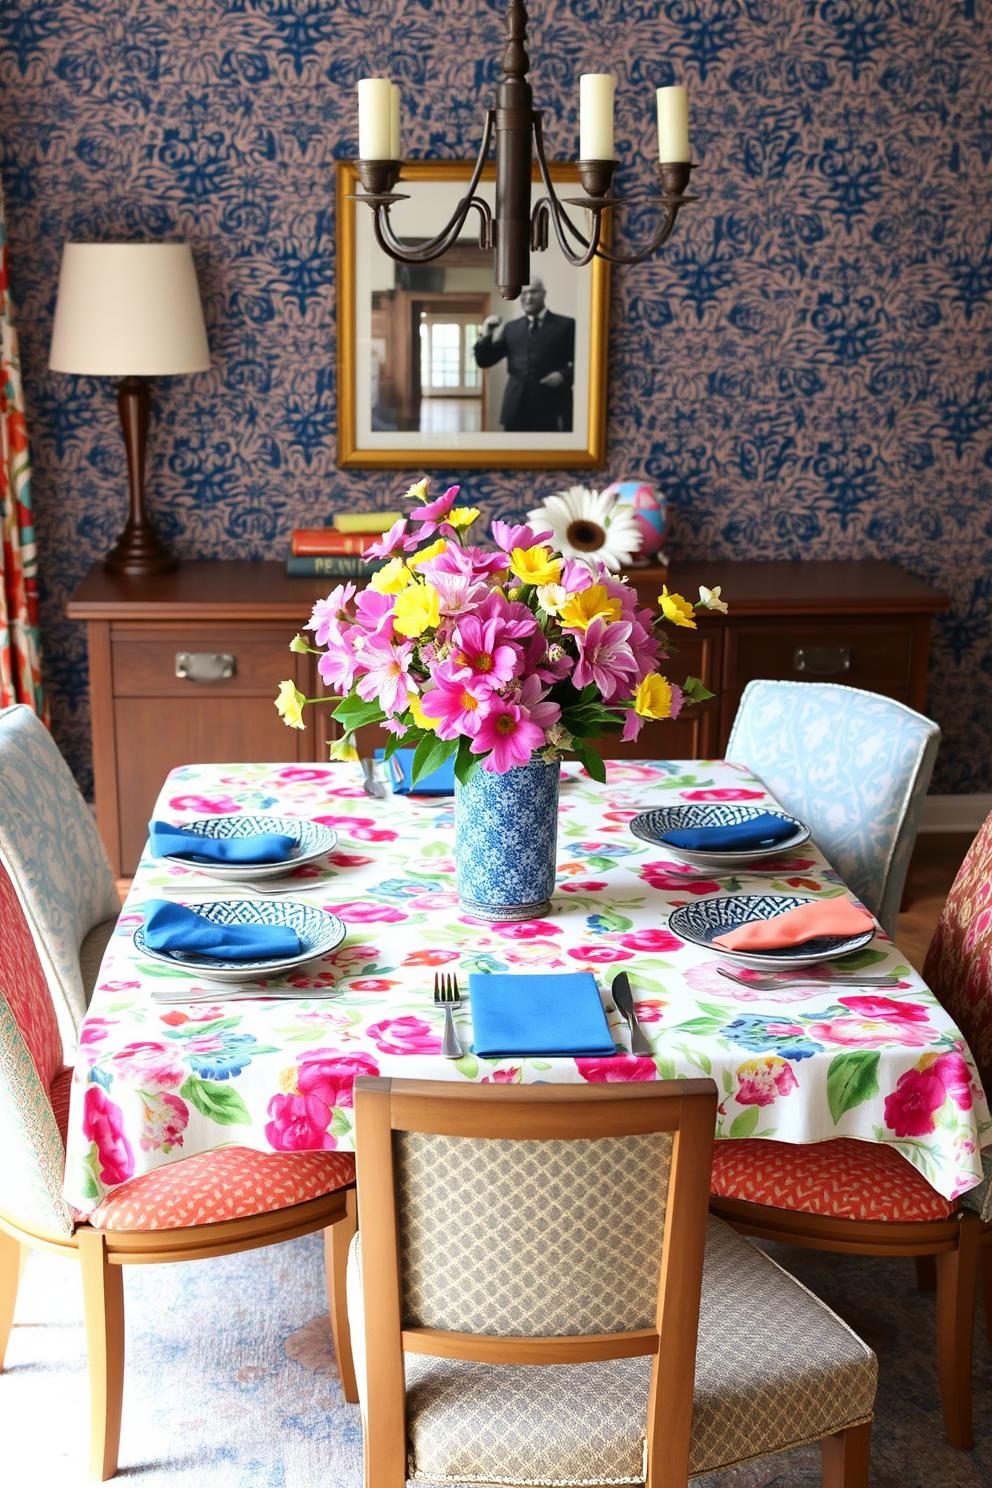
(151, 1064)
(430, 957)
(575, 576)
(325, 621)
(507, 538)
(348, 860)
(502, 1077)
(723, 793)
(510, 735)
(762, 1081)
(374, 613)
(668, 876)
(94, 1030)
(858, 1033)
(396, 540)
(302, 774)
(434, 510)
(618, 1070)
(372, 984)
(205, 805)
(407, 1035)
(479, 654)
(886, 1009)
(517, 620)
(387, 676)
(458, 706)
(103, 1124)
(365, 912)
(651, 940)
(164, 1119)
(456, 592)
(176, 1019)
(299, 1124)
(585, 886)
(605, 659)
(530, 695)
(526, 929)
(920, 1093)
(331, 1076)
(600, 955)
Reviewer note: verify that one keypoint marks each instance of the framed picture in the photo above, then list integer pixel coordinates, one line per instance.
(436, 369)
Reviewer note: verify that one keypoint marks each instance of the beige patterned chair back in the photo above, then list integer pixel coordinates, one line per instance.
(531, 1238)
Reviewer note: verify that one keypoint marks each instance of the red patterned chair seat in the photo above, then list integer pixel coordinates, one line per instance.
(842, 1179)
(231, 1183)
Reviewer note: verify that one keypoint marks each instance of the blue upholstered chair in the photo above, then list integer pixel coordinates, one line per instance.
(853, 765)
(52, 851)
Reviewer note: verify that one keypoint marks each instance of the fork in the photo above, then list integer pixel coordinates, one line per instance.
(765, 983)
(446, 996)
(232, 890)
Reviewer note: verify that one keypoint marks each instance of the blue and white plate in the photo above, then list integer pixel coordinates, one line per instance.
(702, 921)
(314, 840)
(650, 825)
(319, 933)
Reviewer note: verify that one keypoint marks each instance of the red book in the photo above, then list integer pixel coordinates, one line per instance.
(315, 542)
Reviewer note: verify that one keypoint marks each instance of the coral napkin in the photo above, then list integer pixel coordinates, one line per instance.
(806, 922)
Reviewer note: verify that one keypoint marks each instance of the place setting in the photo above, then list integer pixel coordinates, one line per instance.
(383, 779)
(558, 1015)
(710, 835)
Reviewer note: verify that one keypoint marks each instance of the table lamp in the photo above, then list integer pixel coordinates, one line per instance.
(130, 311)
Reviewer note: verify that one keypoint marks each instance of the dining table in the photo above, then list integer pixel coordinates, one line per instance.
(800, 1061)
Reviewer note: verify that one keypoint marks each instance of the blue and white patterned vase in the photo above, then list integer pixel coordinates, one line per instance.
(506, 842)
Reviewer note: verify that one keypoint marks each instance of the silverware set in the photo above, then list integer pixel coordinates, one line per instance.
(766, 983)
(623, 1001)
(446, 996)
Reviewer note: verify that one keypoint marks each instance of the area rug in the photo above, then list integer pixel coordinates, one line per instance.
(231, 1379)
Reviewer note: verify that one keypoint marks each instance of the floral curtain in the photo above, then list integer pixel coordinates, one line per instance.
(20, 659)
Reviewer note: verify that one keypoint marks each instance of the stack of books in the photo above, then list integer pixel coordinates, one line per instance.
(337, 551)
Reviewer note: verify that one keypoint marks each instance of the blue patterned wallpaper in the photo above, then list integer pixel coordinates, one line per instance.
(806, 369)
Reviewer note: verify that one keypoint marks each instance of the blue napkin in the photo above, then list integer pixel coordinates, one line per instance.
(561, 1016)
(260, 847)
(175, 927)
(440, 782)
(761, 831)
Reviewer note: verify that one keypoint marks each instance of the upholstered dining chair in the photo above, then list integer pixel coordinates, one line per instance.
(853, 765)
(565, 1229)
(52, 851)
(210, 1205)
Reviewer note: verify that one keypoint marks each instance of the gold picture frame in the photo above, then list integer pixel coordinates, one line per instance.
(387, 418)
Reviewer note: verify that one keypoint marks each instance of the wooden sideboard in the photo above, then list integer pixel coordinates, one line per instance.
(863, 623)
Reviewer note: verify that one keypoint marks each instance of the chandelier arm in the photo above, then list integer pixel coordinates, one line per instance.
(658, 241)
(557, 211)
(395, 248)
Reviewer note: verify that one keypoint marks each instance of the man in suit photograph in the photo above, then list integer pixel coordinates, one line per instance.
(539, 347)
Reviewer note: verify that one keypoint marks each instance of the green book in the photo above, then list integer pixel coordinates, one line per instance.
(333, 566)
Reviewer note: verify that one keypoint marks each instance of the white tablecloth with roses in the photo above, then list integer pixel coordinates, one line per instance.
(155, 1084)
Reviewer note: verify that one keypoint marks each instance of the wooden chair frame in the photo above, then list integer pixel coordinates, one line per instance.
(687, 1108)
(947, 1253)
(102, 1254)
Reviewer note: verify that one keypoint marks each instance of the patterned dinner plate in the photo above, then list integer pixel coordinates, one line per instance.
(651, 825)
(313, 841)
(702, 921)
(319, 933)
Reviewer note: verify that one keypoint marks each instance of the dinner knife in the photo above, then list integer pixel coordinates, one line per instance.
(624, 1000)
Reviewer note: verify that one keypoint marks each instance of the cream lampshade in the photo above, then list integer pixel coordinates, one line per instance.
(130, 311)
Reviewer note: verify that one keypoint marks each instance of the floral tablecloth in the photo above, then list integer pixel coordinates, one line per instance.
(155, 1084)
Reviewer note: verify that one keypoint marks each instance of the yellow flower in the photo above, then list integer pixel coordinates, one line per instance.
(426, 554)
(676, 609)
(416, 610)
(535, 566)
(290, 704)
(416, 708)
(287, 1080)
(391, 579)
(462, 516)
(418, 492)
(709, 599)
(551, 597)
(344, 748)
(299, 644)
(653, 698)
(580, 610)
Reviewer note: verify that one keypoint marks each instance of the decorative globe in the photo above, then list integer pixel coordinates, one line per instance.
(649, 509)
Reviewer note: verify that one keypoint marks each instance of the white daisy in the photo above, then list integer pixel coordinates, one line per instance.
(589, 525)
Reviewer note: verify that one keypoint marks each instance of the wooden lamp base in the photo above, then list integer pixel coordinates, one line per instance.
(139, 551)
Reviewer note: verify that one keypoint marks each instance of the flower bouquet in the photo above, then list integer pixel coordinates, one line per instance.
(492, 656)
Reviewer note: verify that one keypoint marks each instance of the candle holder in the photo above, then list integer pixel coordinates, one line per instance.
(518, 230)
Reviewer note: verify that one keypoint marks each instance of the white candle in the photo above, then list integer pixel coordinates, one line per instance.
(673, 125)
(596, 115)
(394, 122)
(375, 111)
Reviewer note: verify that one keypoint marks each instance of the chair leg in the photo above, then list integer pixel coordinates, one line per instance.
(103, 1301)
(337, 1241)
(13, 1256)
(845, 1457)
(926, 1273)
(986, 1265)
(957, 1280)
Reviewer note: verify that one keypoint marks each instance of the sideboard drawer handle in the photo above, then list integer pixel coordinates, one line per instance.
(205, 666)
(822, 661)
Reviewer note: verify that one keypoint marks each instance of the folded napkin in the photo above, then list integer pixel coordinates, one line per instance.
(791, 928)
(260, 847)
(760, 831)
(175, 927)
(440, 782)
(561, 1016)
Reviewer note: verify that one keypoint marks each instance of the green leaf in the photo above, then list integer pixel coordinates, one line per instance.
(851, 1079)
(695, 691)
(728, 1083)
(591, 760)
(858, 960)
(702, 1027)
(468, 1066)
(466, 763)
(218, 1102)
(430, 755)
(409, 740)
(539, 1064)
(744, 1124)
(665, 1067)
(341, 1124)
(608, 920)
(353, 713)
